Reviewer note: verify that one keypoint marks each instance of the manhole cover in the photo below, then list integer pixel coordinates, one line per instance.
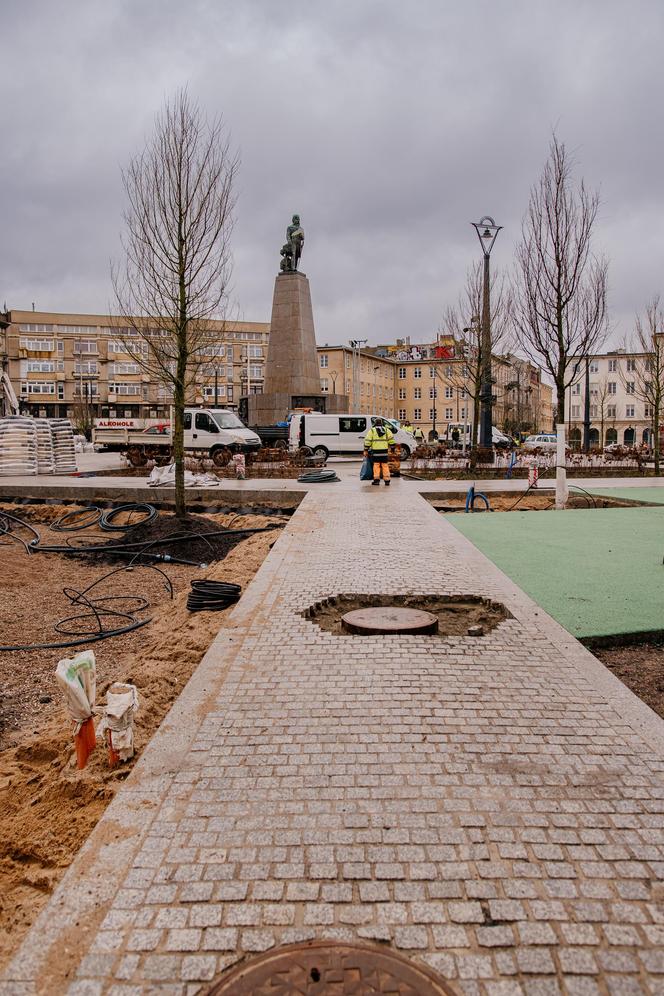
(389, 619)
(322, 969)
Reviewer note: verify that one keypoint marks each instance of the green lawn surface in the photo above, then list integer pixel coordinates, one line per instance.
(597, 572)
(655, 495)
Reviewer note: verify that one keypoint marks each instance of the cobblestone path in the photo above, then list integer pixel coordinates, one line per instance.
(492, 807)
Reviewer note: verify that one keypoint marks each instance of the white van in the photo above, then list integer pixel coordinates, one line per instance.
(331, 434)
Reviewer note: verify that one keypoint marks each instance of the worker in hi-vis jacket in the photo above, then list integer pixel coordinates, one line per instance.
(377, 443)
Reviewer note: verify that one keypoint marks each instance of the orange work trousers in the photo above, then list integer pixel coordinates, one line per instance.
(380, 461)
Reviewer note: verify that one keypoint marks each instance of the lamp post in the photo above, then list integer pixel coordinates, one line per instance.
(586, 410)
(487, 232)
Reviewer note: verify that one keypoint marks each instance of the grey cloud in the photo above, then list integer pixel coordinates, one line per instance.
(388, 126)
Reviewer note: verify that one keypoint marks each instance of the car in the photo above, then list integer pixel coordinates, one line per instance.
(546, 441)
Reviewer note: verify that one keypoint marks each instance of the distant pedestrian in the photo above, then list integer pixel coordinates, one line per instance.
(418, 435)
(407, 427)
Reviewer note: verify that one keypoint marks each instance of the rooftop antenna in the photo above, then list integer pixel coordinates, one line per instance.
(33, 305)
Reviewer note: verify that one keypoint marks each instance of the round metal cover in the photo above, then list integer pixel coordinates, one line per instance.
(323, 969)
(389, 619)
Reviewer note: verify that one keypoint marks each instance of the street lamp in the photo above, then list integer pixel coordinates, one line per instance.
(487, 232)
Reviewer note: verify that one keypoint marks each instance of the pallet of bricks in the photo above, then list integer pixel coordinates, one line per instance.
(31, 446)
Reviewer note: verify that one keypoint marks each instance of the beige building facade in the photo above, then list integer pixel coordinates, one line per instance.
(426, 385)
(619, 411)
(59, 362)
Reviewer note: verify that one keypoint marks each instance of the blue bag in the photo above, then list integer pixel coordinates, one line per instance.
(366, 470)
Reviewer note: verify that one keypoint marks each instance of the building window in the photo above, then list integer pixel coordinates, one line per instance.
(576, 411)
(39, 366)
(347, 361)
(611, 387)
(648, 411)
(593, 367)
(417, 372)
(208, 391)
(417, 414)
(38, 387)
(115, 369)
(448, 371)
(593, 411)
(402, 373)
(36, 328)
(432, 414)
(610, 411)
(576, 388)
(433, 393)
(402, 414)
(256, 373)
(85, 367)
(61, 346)
(85, 346)
(324, 385)
(629, 387)
(463, 413)
(629, 411)
(402, 394)
(432, 372)
(127, 389)
(417, 393)
(613, 366)
(37, 345)
(449, 414)
(61, 392)
(631, 366)
(449, 392)
(324, 360)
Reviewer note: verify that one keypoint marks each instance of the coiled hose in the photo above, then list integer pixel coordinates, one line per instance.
(211, 596)
(318, 477)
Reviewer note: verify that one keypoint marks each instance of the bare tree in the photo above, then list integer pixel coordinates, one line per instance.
(602, 398)
(177, 267)
(463, 322)
(560, 287)
(647, 376)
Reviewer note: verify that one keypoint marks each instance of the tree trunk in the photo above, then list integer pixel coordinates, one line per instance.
(178, 446)
(656, 439)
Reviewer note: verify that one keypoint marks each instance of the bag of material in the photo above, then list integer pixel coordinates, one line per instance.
(366, 470)
(77, 676)
(118, 722)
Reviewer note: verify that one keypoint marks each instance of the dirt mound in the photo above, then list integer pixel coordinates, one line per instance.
(47, 807)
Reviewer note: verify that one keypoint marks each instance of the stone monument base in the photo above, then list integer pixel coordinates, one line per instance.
(268, 409)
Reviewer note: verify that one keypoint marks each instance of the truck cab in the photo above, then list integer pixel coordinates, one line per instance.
(217, 428)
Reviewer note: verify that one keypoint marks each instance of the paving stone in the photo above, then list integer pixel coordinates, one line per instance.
(487, 805)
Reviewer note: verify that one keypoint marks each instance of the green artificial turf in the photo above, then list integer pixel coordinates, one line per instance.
(598, 572)
(654, 495)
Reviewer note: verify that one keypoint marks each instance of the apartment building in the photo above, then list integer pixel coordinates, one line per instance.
(427, 384)
(367, 379)
(58, 363)
(619, 411)
(523, 401)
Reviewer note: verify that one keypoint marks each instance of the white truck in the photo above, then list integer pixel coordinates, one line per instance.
(212, 432)
(332, 434)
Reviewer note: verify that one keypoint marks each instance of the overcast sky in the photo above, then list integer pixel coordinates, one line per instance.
(389, 125)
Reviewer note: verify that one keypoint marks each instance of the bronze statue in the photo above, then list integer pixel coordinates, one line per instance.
(291, 251)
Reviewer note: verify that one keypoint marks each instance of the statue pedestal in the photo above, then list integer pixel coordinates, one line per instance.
(292, 374)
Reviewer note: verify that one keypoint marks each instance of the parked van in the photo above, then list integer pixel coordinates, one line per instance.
(332, 434)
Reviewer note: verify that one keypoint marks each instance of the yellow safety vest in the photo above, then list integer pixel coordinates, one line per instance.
(376, 443)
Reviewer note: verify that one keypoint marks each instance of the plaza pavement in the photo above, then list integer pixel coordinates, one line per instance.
(491, 807)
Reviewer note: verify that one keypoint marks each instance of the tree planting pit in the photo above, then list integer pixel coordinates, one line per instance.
(414, 615)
